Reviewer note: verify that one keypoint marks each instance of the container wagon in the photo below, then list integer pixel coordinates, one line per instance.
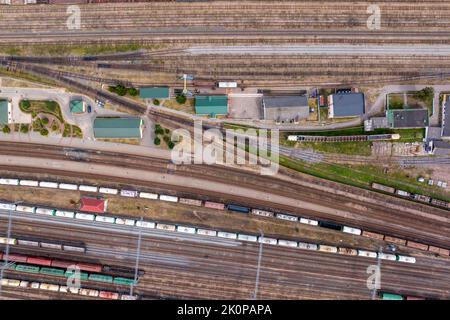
(228, 235)
(7, 206)
(146, 195)
(236, 208)
(184, 229)
(205, 232)
(214, 205)
(192, 202)
(90, 267)
(402, 193)
(287, 243)
(417, 245)
(307, 246)
(373, 235)
(167, 227)
(48, 212)
(127, 222)
(381, 187)
(129, 193)
(25, 209)
(267, 240)
(329, 249)
(167, 198)
(246, 237)
(351, 230)
(39, 261)
(17, 258)
(309, 221)
(145, 224)
(395, 240)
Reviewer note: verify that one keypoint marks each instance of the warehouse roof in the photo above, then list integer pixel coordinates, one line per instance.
(130, 128)
(154, 92)
(211, 105)
(93, 205)
(76, 106)
(285, 101)
(446, 118)
(348, 104)
(4, 112)
(408, 118)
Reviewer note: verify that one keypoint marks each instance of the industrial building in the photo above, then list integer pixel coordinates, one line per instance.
(118, 128)
(5, 112)
(211, 105)
(154, 93)
(93, 205)
(285, 108)
(77, 106)
(343, 105)
(446, 119)
(407, 118)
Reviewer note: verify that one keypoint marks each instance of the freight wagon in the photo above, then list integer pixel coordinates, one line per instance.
(236, 208)
(267, 240)
(167, 227)
(309, 221)
(228, 235)
(45, 211)
(28, 243)
(390, 296)
(205, 232)
(47, 184)
(307, 246)
(51, 245)
(108, 190)
(84, 216)
(67, 186)
(129, 193)
(147, 195)
(246, 237)
(287, 243)
(191, 202)
(128, 222)
(330, 225)
(29, 183)
(351, 230)
(329, 249)
(88, 188)
(65, 214)
(145, 224)
(186, 229)
(25, 268)
(380, 187)
(367, 254)
(167, 198)
(214, 205)
(422, 198)
(403, 193)
(7, 206)
(262, 213)
(28, 209)
(11, 182)
(286, 217)
(348, 251)
(105, 219)
(387, 256)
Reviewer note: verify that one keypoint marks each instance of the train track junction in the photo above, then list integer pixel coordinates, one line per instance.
(96, 111)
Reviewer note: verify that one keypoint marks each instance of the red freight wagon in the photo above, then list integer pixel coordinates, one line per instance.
(433, 249)
(39, 261)
(373, 235)
(17, 258)
(90, 267)
(214, 205)
(444, 252)
(62, 264)
(395, 240)
(108, 295)
(417, 245)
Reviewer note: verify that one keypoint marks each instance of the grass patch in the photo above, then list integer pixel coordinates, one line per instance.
(36, 107)
(362, 148)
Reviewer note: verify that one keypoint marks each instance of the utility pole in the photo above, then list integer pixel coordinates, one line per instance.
(6, 256)
(138, 253)
(255, 293)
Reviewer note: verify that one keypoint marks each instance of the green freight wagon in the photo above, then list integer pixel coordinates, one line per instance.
(52, 272)
(24, 268)
(100, 277)
(391, 296)
(83, 275)
(124, 281)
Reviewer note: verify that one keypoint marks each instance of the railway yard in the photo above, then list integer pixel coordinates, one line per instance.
(112, 209)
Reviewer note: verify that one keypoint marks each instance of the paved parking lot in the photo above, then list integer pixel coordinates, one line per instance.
(245, 106)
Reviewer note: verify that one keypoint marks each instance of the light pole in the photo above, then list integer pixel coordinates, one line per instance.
(138, 253)
(8, 235)
(255, 293)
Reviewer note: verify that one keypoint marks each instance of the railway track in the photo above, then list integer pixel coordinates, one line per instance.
(375, 216)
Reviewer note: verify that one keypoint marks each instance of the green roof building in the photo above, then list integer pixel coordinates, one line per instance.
(118, 128)
(211, 105)
(77, 106)
(5, 112)
(154, 92)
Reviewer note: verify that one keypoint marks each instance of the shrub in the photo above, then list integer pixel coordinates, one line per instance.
(157, 141)
(44, 121)
(181, 99)
(171, 145)
(25, 104)
(167, 131)
(54, 127)
(24, 128)
(166, 139)
(33, 114)
(44, 132)
(6, 129)
(133, 92)
(121, 90)
(156, 102)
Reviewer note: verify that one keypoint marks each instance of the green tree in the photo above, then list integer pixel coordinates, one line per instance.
(44, 132)
(24, 128)
(25, 104)
(181, 99)
(157, 141)
(156, 102)
(121, 90)
(6, 129)
(33, 114)
(166, 131)
(171, 145)
(133, 92)
(44, 121)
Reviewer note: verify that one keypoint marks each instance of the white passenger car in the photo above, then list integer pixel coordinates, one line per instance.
(28, 209)
(205, 232)
(267, 240)
(387, 256)
(7, 206)
(147, 195)
(11, 182)
(287, 243)
(184, 229)
(406, 259)
(368, 254)
(65, 214)
(108, 190)
(44, 211)
(351, 230)
(67, 186)
(309, 221)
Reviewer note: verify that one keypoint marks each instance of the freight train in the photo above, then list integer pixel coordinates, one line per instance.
(412, 196)
(24, 284)
(61, 268)
(174, 199)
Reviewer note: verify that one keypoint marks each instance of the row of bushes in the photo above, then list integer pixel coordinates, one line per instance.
(121, 90)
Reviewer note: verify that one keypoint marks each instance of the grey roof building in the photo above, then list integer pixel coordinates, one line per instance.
(341, 105)
(408, 118)
(285, 108)
(446, 119)
(441, 148)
